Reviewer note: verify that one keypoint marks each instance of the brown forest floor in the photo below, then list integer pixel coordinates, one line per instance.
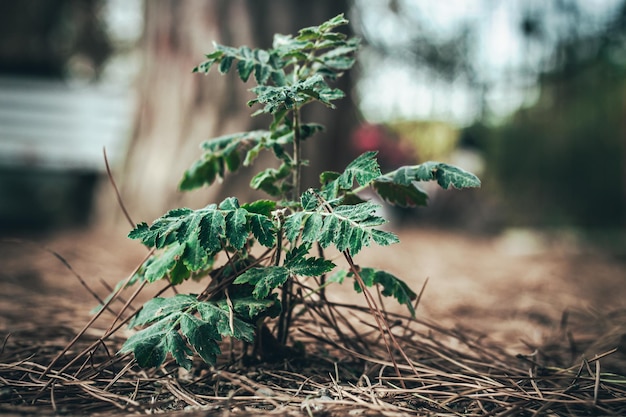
(512, 291)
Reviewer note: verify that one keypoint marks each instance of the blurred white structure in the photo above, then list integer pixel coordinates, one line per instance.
(53, 125)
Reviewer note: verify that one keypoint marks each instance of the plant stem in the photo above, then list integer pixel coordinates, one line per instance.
(297, 153)
(287, 296)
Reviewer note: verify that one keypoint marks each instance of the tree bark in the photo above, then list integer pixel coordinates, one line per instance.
(179, 110)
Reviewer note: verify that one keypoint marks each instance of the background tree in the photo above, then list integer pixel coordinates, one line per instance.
(178, 110)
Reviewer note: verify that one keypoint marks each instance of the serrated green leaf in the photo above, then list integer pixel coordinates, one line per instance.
(252, 308)
(245, 68)
(399, 194)
(190, 237)
(264, 279)
(263, 229)
(312, 227)
(351, 227)
(212, 230)
(148, 346)
(262, 73)
(164, 262)
(278, 98)
(309, 129)
(288, 46)
(262, 56)
(233, 161)
(358, 212)
(194, 257)
(225, 64)
(171, 317)
(384, 238)
(342, 238)
(310, 267)
(357, 239)
(309, 33)
(159, 307)
(446, 175)
(391, 286)
(328, 176)
(212, 58)
(292, 226)
(149, 313)
(179, 273)
(297, 253)
(220, 319)
(405, 176)
(309, 200)
(334, 22)
(236, 228)
(186, 227)
(252, 154)
(327, 95)
(163, 231)
(203, 171)
(363, 169)
(338, 277)
(175, 344)
(329, 231)
(230, 203)
(142, 232)
(202, 337)
(266, 181)
(271, 180)
(263, 207)
(221, 153)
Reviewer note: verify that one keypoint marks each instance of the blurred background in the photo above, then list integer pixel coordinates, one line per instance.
(528, 94)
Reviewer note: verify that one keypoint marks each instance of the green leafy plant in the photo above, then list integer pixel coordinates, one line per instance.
(245, 292)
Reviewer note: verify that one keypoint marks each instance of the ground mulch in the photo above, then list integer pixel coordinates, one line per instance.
(518, 325)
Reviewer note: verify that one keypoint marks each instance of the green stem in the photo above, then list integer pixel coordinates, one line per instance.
(297, 154)
(287, 296)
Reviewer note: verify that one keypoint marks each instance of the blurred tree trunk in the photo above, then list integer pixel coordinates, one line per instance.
(179, 110)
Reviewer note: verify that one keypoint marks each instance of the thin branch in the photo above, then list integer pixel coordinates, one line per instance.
(117, 191)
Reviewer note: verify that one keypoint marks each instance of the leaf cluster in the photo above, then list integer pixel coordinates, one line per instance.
(399, 187)
(290, 75)
(182, 325)
(192, 238)
(333, 215)
(294, 71)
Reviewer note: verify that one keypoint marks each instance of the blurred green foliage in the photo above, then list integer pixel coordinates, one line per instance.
(562, 162)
